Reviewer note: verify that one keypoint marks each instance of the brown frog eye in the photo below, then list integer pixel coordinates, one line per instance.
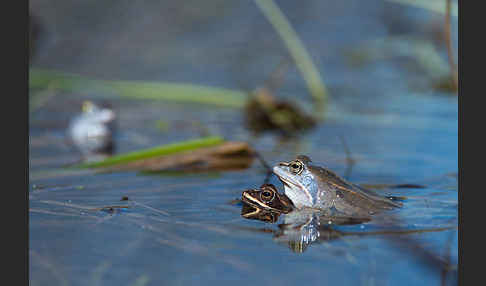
(266, 195)
(296, 167)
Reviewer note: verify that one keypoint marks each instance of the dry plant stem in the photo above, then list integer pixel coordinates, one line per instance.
(227, 154)
(450, 51)
(155, 152)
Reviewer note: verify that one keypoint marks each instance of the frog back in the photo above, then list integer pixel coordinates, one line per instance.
(348, 198)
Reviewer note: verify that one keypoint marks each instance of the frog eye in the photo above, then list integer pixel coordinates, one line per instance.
(296, 167)
(267, 195)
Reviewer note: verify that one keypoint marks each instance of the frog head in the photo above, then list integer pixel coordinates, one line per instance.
(299, 181)
(267, 197)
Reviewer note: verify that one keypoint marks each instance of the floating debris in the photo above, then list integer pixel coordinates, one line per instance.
(264, 112)
(111, 209)
(209, 153)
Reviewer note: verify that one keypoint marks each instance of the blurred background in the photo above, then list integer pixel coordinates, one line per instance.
(365, 88)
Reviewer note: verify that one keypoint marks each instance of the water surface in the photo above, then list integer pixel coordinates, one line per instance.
(185, 229)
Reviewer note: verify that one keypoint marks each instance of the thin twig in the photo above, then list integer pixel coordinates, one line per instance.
(150, 208)
(266, 166)
(349, 158)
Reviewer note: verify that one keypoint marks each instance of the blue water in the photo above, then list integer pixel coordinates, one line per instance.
(397, 131)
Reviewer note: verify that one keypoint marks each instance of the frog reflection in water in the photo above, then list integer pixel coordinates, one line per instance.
(309, 186)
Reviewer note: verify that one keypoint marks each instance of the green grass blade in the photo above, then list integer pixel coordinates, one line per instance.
(177, 92)
(297, 50)
(155, 152)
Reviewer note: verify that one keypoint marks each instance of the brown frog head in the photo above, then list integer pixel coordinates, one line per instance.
(267, 198)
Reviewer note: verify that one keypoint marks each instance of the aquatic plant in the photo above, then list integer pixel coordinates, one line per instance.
(163, 150)
(177, 92)
(298, 52)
